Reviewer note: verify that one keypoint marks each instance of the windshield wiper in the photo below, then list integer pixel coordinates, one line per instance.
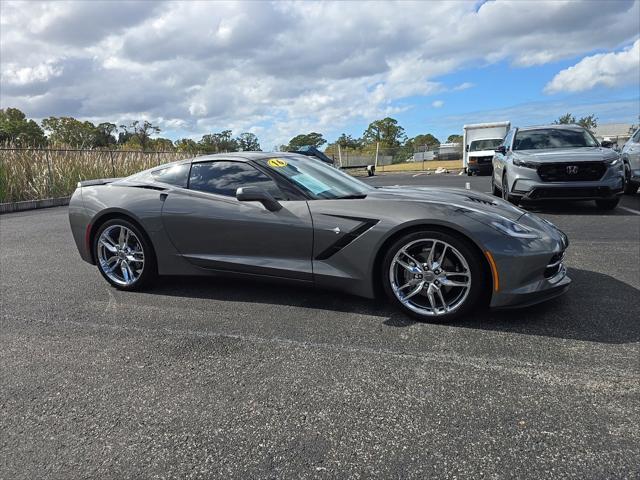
(355, 195)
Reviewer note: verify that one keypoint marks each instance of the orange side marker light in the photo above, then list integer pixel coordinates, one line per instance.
(494, 270)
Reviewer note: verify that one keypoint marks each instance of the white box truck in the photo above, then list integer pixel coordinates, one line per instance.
(479, 141)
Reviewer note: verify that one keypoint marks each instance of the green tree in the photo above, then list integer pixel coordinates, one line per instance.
(17, 130)
(454, 138)
(590, 122)
(70, 132)
(423, 140)
(386, 131)
(138, 134)
(218, 142)
(187, 145)
(312, 139)
(567, 118)
(161, 145)
(347, 141)
(105, 135)
(248, 142)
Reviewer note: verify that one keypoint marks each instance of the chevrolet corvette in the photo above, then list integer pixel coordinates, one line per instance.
(437, 253)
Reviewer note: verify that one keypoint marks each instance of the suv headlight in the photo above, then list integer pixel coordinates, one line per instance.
(613, 161)
(521, 163)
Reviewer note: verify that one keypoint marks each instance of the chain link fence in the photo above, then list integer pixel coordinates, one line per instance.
(382, 157)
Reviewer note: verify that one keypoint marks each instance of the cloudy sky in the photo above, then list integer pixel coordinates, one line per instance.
(283, 68)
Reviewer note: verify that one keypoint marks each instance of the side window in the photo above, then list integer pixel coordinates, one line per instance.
(175, 175)
(224, 178)
(636, 137)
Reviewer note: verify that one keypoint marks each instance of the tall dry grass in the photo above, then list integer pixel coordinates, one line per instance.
(33, 174)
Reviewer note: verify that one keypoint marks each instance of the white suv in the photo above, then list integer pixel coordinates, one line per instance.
(631, 159)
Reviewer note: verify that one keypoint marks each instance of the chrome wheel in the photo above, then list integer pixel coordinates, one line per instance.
(121, 255)
(430, 277)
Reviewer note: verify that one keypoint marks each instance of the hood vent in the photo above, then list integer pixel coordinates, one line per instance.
(480, 200)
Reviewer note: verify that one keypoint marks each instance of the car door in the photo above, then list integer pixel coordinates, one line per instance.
(632, 152)
(212, 229)
(500, 159)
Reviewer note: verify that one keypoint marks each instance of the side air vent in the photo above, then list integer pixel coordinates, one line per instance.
(554, 266)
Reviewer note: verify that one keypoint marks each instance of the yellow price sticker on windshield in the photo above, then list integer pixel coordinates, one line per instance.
(276, 163)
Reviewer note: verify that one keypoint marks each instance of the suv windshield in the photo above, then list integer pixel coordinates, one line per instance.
(487, 144)
(316, 178)
(553, 138)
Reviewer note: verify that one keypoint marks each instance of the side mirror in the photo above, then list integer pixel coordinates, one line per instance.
(467, 148)
(606, 144)
(501, 149)
(255, 194)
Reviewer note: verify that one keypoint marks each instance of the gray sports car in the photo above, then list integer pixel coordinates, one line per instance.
(436, 252)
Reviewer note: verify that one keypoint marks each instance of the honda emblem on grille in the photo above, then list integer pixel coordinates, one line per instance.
(572, 169)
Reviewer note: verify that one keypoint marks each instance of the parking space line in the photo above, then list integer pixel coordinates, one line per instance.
(627, 209)
(418, 174)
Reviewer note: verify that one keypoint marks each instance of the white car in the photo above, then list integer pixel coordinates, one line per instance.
(631, 160)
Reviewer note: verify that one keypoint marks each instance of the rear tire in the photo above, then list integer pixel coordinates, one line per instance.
(460, 264)
(126, 260)
(607, 204)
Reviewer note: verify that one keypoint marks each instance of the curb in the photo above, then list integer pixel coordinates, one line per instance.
(33, 204)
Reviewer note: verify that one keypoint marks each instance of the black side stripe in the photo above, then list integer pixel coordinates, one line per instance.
(347, 238)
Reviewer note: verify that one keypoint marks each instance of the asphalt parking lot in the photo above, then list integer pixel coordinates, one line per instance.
(206, 378)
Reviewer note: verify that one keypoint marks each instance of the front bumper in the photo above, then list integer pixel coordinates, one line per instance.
(527, 185)
(480, 168)
(531, 272)
(535, 293)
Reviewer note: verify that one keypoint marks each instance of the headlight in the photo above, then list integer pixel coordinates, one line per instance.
(613, 161)
(521, 163)
(513, 229)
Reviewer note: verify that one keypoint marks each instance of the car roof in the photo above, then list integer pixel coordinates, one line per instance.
(244, 156)
(235, 156)
(555, 126)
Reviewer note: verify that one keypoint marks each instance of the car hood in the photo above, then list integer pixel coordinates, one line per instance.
(454, 197)
(554, 155)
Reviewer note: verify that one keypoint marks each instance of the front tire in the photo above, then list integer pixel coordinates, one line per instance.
(124, 255)
(607, 204)
(433, 276)
(505, 191)
(630, 188)
(494, 189)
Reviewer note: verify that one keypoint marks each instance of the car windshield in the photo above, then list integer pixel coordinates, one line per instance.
(486, 144)
(553, 138)
(316, 178)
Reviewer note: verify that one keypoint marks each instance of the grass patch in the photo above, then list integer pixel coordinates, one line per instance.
(37, 174)
(421, 166)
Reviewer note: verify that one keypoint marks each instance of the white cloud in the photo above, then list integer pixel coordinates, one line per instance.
(437, 103)
(277, 68)
(604, 69)
(15, 75)
(463, 86)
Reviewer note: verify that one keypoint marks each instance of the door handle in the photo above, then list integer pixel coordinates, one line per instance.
(163, 196)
